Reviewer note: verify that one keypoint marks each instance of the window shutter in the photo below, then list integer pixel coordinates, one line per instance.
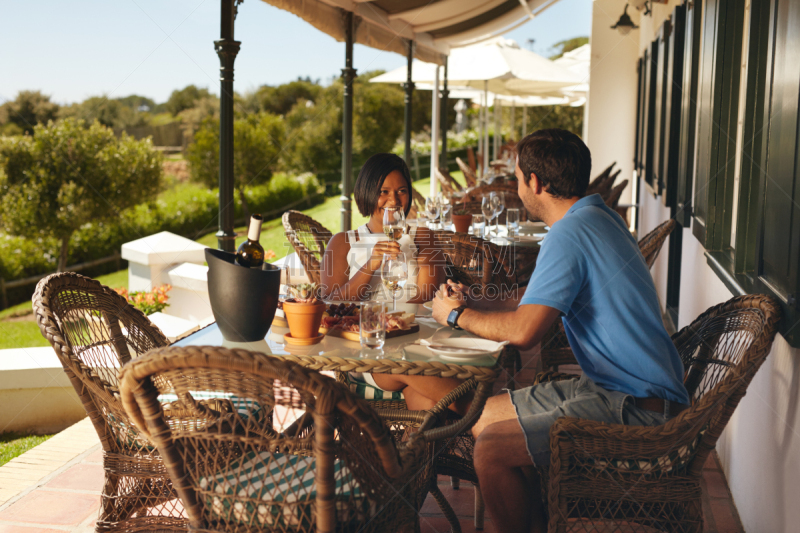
(672, 106)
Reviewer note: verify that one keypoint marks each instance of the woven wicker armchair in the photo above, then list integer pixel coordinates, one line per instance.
(613, 196)
(617, 477)
(309, 239)
(94, 331)
(447, 181)
(298, 451)
(555, 349)
(469, 173)
(599, 180)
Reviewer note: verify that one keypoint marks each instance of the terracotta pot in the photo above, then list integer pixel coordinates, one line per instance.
(304, 319)
(462, 223)
(243, 300)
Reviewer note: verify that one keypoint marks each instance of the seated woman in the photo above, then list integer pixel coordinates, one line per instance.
(352, 262)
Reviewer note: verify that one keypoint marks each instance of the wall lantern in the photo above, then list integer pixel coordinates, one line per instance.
(624, 24)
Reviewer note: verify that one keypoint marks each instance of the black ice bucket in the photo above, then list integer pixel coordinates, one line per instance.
(243, 300)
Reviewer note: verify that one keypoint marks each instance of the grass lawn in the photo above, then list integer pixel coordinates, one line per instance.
(15, 444)
(25, 333)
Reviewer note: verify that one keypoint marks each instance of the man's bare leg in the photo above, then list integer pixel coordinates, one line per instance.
(513, 501)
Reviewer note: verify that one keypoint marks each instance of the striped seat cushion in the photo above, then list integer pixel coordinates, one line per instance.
(364, 390)
(278, 490)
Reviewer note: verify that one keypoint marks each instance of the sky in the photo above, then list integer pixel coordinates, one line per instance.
(82, 48)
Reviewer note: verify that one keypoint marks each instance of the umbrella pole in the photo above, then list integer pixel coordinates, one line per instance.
(445, 94)
(513, 133)
(348, 74)
(525, 120)
(485, 127)
(227, 49)
(434, 131)
(496, 128)
(409, 89)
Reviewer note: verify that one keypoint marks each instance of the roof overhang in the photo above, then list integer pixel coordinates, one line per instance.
(435, 26)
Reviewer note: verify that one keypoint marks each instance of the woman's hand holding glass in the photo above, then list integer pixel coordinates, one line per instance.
(381, 249)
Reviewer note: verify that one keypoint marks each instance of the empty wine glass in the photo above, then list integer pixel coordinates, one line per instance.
(487, 208)
(432, 209)
(444, 208)
(394, 270)
(498, 203)
(394, 222)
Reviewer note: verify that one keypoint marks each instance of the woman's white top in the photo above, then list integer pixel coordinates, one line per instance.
(362, 240)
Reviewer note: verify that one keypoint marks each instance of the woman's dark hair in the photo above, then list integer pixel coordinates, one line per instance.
(560, 160)
(371, 178)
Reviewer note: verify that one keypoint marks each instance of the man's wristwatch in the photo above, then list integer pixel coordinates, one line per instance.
(452, 318)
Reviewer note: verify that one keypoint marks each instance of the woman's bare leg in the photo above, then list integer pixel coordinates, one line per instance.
(418, 389)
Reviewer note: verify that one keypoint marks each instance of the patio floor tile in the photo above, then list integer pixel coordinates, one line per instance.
(53, 508)
(83, 476)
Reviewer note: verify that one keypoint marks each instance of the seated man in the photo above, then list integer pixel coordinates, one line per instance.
(590, 271)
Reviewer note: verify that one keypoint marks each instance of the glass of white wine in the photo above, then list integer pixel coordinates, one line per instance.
(394, 222)
(394, 270)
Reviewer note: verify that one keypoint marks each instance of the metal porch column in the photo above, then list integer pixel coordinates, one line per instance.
(445, 94)
(226, 49)
(348, 75)
(409, 88)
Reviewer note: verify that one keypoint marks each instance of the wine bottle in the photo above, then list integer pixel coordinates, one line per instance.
(251, 254)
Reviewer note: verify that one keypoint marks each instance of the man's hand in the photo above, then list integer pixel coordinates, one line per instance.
(445, 300)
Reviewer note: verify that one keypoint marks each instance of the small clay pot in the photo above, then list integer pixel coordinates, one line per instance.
(304, 319)
(462, 223)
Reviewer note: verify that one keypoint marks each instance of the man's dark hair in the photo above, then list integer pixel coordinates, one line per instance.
(560, 160)
(371, 178)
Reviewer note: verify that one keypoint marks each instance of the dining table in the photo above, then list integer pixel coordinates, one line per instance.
(400, 355)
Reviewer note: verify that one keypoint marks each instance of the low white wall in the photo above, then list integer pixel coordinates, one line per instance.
(35, 394)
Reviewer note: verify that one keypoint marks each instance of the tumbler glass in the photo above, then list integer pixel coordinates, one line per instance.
(372, 325)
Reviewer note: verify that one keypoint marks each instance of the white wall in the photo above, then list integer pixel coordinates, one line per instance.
(612, 82)
(760, 448)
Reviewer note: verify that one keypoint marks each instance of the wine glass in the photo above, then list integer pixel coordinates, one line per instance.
(393, 271)
(487, 208)
(499, 203)
(432, 209)
(444, 208)
(394, 222)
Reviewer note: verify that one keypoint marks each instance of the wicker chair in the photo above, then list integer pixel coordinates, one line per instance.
(417, 204)
(619, 477)
(469, 173)
(309, 239)
(453, 185)
(600, 179)
(555, 349)
(509, 188)
(94, 331)
(297, 452)
(613, 196)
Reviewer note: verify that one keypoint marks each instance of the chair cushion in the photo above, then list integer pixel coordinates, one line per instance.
(674, 462)
(367, 391)
(259, 486)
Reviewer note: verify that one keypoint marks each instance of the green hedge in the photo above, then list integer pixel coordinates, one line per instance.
(189, 210)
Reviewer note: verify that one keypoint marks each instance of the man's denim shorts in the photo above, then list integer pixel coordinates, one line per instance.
(538, 408)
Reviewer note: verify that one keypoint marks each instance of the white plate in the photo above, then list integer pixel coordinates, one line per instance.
(473, 348)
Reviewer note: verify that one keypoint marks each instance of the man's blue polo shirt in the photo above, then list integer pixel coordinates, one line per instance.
(590, 268)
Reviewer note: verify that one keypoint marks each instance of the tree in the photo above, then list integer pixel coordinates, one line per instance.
(257, 143)
(568, 45)
(68, 174)
(27, 110)
(185, 98)
(109, 112)
(279, 100)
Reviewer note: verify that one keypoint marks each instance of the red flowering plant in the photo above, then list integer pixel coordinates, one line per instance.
(148, 302)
